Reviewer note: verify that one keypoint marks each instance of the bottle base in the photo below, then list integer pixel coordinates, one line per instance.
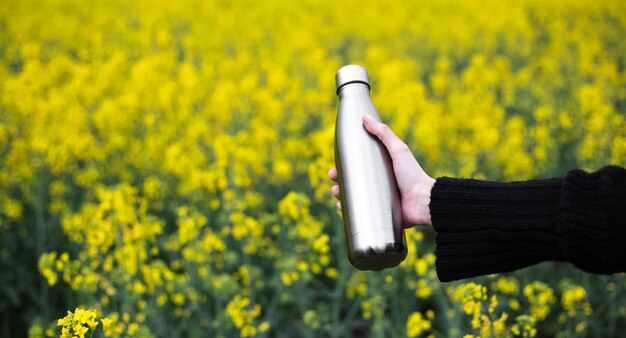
(370, 259)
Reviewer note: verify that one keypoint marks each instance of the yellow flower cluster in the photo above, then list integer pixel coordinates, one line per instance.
(471, 296)
(416, 323)
(575, 306)
(541, 297)
(475, 301)
(524, 327)
(121, 327)
(78, 323)
(574, 299)
(506, 285)
(238, 311)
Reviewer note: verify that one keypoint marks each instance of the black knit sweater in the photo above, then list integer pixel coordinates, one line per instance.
(488, 227)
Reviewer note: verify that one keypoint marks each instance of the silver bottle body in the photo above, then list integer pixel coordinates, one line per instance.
(370, 202)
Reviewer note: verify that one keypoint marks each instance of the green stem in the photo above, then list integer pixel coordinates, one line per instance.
(340, 285)
(442, 302)
(40, 235)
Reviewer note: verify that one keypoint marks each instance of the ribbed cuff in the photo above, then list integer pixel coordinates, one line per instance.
(489, 227)
(593, 209)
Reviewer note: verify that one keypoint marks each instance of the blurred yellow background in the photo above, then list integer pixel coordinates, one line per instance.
(163, 163)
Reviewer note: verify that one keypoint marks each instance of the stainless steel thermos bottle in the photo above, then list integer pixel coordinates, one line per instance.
(370, 203)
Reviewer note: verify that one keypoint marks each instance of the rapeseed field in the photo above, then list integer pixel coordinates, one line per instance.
(163, 163)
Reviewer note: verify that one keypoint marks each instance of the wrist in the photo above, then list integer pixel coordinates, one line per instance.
(425, 199)
(418, 206)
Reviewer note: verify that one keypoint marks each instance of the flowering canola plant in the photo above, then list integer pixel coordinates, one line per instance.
(163, 163)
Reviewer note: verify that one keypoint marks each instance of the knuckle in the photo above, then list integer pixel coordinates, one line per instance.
(400, 149)
(385, 129)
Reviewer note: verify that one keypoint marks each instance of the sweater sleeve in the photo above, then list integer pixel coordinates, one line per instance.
(489, 227)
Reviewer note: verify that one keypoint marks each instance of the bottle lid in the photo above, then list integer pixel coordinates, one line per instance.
(351, 74)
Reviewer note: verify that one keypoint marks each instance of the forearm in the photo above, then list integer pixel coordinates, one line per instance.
(487, 227)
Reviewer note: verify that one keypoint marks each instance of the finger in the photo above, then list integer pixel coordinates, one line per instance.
(332, 174)
(338, 204)
(393, 143)
(336, 191)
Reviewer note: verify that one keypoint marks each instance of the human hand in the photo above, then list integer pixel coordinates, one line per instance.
(413, 182)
